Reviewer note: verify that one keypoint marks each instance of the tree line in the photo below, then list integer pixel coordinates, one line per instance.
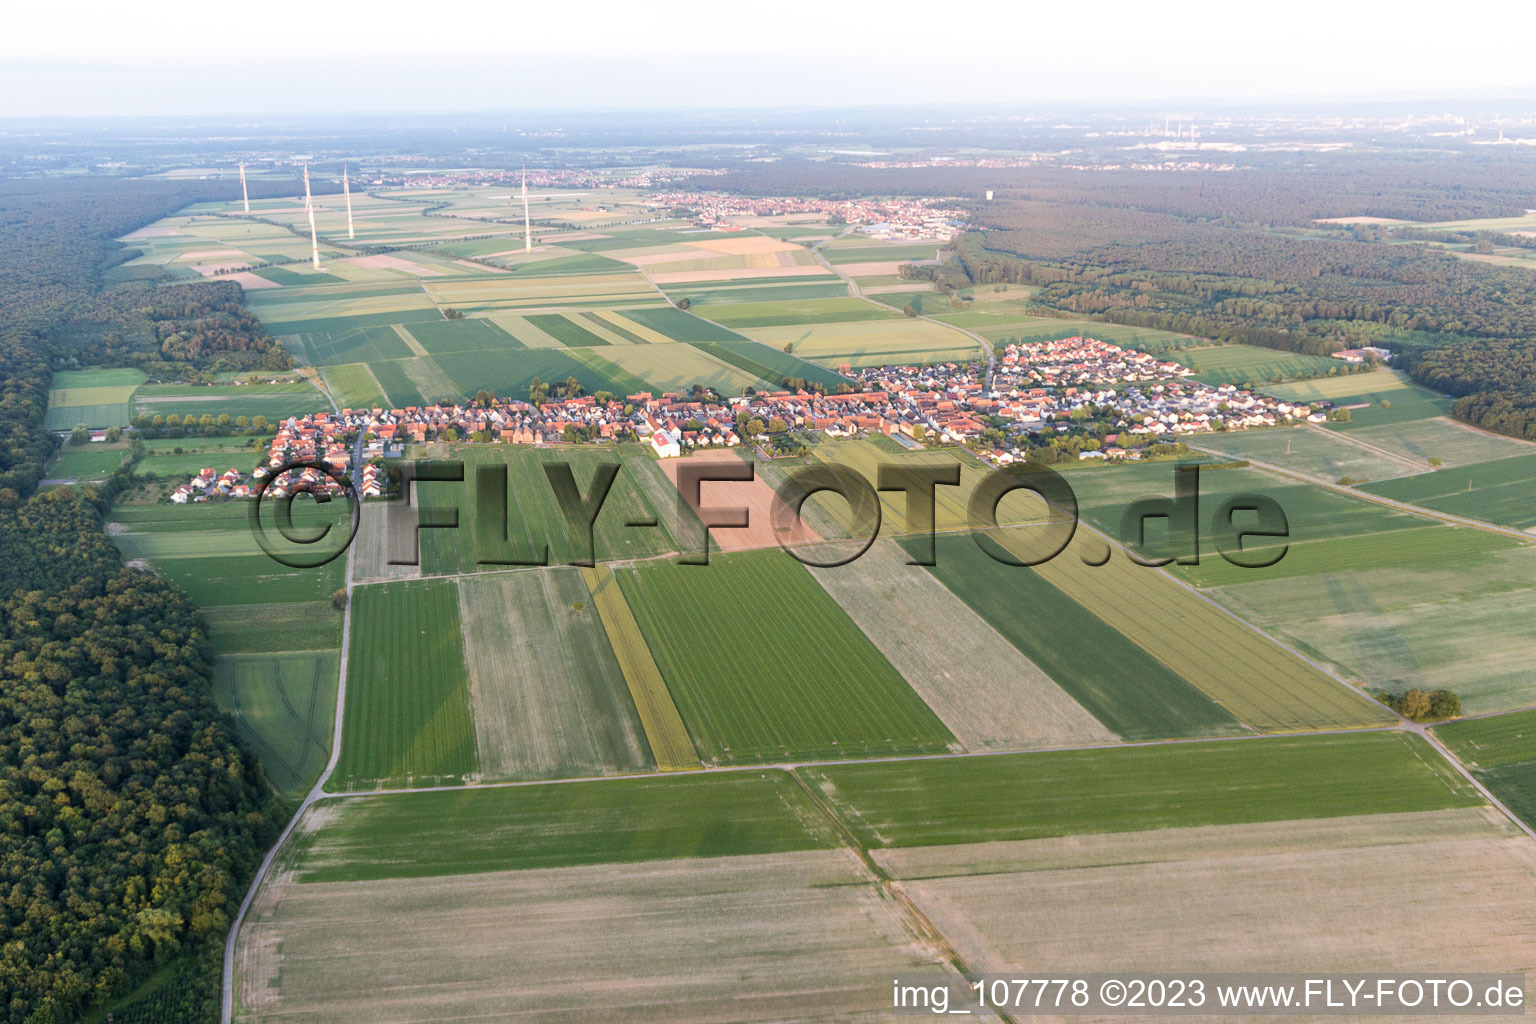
(131, 817)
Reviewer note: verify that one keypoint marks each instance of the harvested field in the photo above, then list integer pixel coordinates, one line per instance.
(1123, 686)
(984, 690)
(389, 262)
(766, 938)
(741, 245)
(753, 495)
(1257, 898)
(549, 698)
(370, 548)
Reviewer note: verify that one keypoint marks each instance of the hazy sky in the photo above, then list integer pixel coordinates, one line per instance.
(276, 56)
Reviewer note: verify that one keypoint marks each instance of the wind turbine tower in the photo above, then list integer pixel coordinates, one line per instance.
(527, 230)
(309, 208)
(346, 189)
(244, 193)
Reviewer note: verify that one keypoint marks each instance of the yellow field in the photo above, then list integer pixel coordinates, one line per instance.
(636, 328)
(1250, 675)
(1374, 382)
(671, 745)
(871, 342)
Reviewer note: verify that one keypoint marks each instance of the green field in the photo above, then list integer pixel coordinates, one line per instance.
(565, 330)
(1441, 438)
(1025, 329)
(351, 345)
(872, 343)
(764, 666)
(400, 391)
(90, 462)
(640, 493)
(210, 551)
(96, 398)
(662, 368)
(1502, 491)
(1376, 594)
(189, 464)
(1343, 388)
(680, 325)
(768, 364)
(1320, 453)
(274, 401)
(1501, 751)
(1120, 684)
(284, 705)
(510, 372)
(353, 386)
(249, 628)
(1132, 789)
(864, 250)
(1239, 364)
(803, 311)
(505, 829)
(407, 720)
(769, 289)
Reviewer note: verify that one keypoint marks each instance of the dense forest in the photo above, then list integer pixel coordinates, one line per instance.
(1301, 295)
(1278, 189)
(130, 816)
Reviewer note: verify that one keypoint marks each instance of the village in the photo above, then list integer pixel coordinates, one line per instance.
(1036, 392)
(895, 220)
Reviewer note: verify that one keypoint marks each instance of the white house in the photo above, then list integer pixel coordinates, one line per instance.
(666, 443)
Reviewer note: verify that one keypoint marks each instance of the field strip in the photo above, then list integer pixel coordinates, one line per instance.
(1348, 437)
(671, 745)
(1401, 506)
(650, 335)
(1251, 675)
(410, 342)
(790, 766)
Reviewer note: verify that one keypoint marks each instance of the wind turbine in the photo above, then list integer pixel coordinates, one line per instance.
(309, 208)
(244, 194)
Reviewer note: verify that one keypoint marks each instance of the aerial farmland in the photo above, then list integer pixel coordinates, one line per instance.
(679, 761)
